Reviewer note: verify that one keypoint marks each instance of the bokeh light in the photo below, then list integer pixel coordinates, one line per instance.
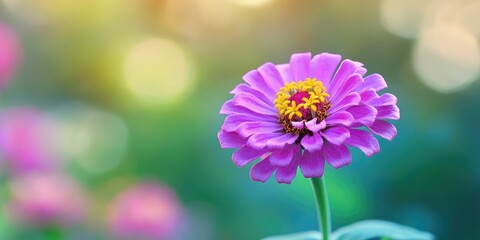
(252, 3)
(206, 22)
(26, 10)
(468, 16)
(158, 71)
(447, 58)
(404, 18)
(446, 52)
(66, 12)
(97, 140)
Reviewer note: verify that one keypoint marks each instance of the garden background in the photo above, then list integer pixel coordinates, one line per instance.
(110, 94)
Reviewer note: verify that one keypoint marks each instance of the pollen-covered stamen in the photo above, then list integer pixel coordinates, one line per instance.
(301, 101)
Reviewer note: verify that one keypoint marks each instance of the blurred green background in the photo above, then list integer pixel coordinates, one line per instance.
(130, 91)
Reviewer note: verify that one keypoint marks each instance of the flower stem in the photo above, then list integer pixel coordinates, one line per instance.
(323, 210)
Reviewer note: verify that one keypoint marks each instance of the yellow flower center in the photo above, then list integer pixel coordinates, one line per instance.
(301, 101)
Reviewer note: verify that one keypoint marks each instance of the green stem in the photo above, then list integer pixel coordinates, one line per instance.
(323, 210)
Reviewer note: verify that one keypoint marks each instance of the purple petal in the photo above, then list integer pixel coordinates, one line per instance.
(314, 127)
(340, 118)
(312, 143)
(244, 88)
(352, 99)
(257, 82)
(299, 124)
(312, 164)
(364, 141)
(262, 170)
(336, 135)
(361, 70)
(272, 76)
(247, 129)
(384, 129)
(374, 81)
(230, 139)
(280, 141)
(337, 156)
(323, 67)
(286, 72)
(388, 112)
(363, 114)
(230, 108)
(232, 121)
(287, 173)
(300, 65)
(384, 100)
(282, 157)
(369, 95)
(347, 68)
(246, 154)
(251, 102)
(259, 140)
(347, 87)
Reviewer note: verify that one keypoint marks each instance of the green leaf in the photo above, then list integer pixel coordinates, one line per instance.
(369, 229)
(379, 229)
(310, 235)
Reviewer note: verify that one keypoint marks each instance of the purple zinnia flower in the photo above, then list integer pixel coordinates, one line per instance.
(305, 113)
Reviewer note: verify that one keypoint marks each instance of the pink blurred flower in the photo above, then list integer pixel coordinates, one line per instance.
(9, 54)
(24, 141)
(43, 200)
(145, 211)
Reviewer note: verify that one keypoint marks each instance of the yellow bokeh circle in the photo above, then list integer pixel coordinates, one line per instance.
(158, 71)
